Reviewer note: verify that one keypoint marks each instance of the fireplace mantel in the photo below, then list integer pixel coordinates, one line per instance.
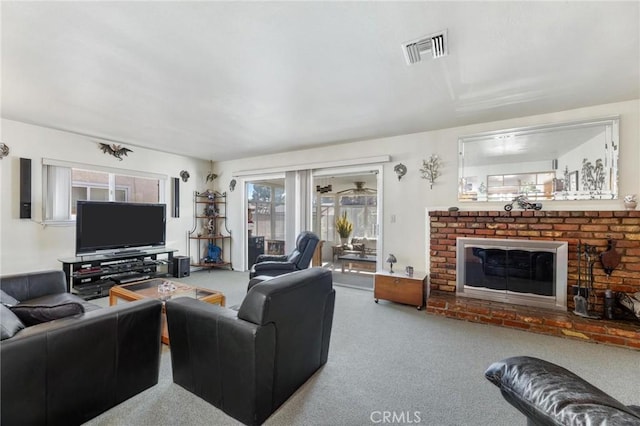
(591, 227)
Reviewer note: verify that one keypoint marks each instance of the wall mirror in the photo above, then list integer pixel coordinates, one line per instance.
(565, 161)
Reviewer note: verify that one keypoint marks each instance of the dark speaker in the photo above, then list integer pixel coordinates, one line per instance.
(25, 188)
(176, 197)
(256, 248)
(181, 267)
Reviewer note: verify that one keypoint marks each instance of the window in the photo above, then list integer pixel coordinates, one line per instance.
(266, 202)
(327, 217)
(66, 183)
(362, 212)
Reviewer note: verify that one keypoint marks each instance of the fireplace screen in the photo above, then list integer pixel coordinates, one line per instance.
(520, 271)
(525, 272)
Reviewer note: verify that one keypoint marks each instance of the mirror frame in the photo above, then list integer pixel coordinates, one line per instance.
(575, 184)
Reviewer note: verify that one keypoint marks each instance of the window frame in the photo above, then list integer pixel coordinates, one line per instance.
(112, 171)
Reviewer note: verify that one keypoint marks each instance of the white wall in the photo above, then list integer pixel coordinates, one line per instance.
(26, 244)
(409, 198)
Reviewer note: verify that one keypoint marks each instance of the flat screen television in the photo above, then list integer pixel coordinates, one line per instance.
(115, 226)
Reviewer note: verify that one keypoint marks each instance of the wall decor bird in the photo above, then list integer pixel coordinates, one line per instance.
(116, 150)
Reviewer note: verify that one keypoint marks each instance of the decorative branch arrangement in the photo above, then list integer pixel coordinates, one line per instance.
(592, 175)
(431, 169)
(116, 150)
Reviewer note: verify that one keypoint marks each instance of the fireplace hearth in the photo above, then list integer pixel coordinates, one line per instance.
(523, 272)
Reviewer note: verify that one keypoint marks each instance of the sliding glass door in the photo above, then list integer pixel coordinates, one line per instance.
(352, 194)
(265, 218)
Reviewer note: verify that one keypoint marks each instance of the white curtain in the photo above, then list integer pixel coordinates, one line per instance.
(58, 192)
(297, 205)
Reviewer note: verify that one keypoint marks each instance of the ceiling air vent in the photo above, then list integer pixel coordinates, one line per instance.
(416, 49)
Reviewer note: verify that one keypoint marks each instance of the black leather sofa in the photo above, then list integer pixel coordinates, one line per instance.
(548, 394)
(298, 259)
(249, 362)
(68, 370)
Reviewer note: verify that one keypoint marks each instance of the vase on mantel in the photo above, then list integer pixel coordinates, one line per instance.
(630, 202)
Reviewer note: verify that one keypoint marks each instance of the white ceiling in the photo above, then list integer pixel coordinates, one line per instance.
(225, 80)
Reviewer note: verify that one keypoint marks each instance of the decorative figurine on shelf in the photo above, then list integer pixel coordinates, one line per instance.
(391, 259)
(211, 210)
(211, 195)
(211, 226)
(523, 202)
(630, 202)
(214, 254)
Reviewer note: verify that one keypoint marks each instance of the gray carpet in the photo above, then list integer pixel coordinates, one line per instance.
(360, 280)
(391, 357)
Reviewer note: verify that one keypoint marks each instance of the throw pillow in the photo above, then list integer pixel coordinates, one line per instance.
(48, 308)
(7, 300)
(10, 324)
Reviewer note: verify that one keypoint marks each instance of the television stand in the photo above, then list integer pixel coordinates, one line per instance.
(124, 253)
(92, 276)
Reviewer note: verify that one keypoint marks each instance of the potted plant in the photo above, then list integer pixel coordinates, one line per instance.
(344, 228)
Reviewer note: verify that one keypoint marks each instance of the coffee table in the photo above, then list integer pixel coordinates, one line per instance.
(364, 262)
(150, 289)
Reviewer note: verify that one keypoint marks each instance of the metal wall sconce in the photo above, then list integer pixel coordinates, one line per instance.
(4, 150)
(431, 169)
(232, 185)
(185, 175)
(400, 170)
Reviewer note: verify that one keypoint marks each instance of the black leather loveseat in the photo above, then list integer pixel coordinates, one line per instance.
(249, 362)
(68, 370)
(548, 394)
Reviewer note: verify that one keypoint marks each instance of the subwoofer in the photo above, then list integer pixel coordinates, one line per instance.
(25, 188)
(181, 267)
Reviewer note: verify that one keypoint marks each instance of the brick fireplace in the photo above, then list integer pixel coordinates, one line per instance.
(590, 227)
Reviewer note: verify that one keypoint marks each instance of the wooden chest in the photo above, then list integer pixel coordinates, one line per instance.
(398, 287)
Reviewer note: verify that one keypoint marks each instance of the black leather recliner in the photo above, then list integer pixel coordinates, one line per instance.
(299, 259)
(249, 362)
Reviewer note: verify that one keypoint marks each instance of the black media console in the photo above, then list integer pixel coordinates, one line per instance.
(92, 276)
